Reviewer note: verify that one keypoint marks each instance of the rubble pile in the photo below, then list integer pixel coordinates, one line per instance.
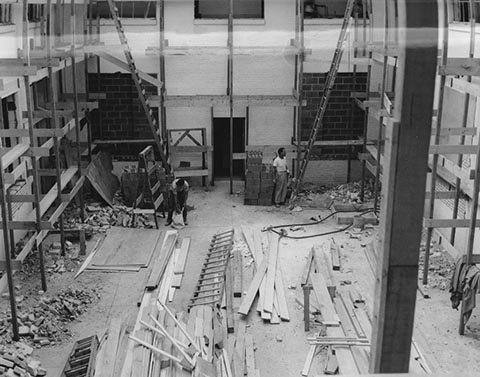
(345, 193)
(100, 218)
(43, 324)
(440, 266)
(16, 361)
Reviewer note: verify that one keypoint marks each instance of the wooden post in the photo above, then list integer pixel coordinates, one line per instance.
(465, 112)
(299, 59)
(162, 115)
(75, 106)
(406, 157)
(230, 86)
(306, 306)
(86, 56)
(367, 8)
(33, 144)
(376, 190)
(433, 178)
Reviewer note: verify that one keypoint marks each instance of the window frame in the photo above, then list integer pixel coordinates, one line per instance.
(198, 17)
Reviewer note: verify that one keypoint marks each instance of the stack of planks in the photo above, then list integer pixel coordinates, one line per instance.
(267, 282)
(107, 362)
(125, 249)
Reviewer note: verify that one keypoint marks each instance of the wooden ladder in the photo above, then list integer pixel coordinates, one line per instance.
(149, 196)
(81, 362)
(329, 82)
(152, 122)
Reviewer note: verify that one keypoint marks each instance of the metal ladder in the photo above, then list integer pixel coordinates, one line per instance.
(329, 82)
(138, 84)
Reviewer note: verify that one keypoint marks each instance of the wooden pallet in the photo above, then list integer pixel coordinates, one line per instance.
(209, 289)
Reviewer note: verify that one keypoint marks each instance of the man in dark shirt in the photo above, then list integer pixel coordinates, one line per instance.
(177, 199)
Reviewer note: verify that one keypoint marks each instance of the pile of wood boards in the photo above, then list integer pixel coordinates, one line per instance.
(267, 282)
(124, 249)
(107, 362)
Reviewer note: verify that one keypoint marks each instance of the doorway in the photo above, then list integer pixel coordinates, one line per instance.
(221, 147)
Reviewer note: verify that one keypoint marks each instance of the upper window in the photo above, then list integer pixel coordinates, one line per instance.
(220, 8)
(126, 9)
(461, 10)
(35, 12)
(5, 14)
(329, 8)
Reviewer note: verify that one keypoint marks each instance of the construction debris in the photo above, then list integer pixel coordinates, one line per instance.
(16, 360)
(44, 323)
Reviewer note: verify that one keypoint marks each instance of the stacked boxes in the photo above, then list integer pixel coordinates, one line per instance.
(266, 185)
(252, 177)
(258, 180)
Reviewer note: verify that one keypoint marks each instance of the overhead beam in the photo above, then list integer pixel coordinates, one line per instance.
(223, 100)
(406, 156)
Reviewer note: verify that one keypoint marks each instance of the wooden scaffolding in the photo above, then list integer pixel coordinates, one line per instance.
(28, 146)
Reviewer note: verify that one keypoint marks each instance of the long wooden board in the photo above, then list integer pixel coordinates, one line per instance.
(271, 273)
(320, 290)
(182, 257)
(253, 289)
(161, 260)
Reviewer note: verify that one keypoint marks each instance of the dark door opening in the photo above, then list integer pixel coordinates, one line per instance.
(221, 147)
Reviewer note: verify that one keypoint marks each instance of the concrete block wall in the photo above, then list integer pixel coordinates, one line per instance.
(336, 122)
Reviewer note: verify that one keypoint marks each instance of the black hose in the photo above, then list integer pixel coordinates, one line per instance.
(282, 234)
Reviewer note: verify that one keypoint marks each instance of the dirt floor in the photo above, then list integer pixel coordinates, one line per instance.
(280, 349)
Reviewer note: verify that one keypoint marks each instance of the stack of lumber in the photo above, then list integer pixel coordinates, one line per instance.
(125, 249)
(267, 282)
(141, 361)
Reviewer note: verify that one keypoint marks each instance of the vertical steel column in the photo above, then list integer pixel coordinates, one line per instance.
(86, 57)
(162, 111)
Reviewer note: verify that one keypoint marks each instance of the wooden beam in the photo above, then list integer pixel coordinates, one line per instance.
(18, 71)
(460, 67)
(223, 100)
(455, 131)
(46, 114)
(453, 149)
(120, 63)
(466, 87)
(13, 154)
(403, 188)
(447, 223)
(38, 132)
(224, 51)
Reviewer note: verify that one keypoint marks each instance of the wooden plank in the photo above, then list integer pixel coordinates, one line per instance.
(462, 85)
(308, 361)
(329, 316)
(271, 273)
(249, 355)
(239, 350)
(253, 289)
(13, 154)
(307, 268)
(107, 362)
(280, 292)
(18, 70)
(229, 299)
(460, 67)
(331, 365)
(335, 251)
(453, 149)
(237, 273)
(38, 132)
(455, 131)
(190, 172)
(447, 223)
(182, 257)
(160, 262)
(120, 63)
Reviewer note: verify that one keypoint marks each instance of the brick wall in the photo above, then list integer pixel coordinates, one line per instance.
(336, 123)
(120, 115)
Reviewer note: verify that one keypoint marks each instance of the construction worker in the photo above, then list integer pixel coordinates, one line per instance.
(281, 172)
(177, 199)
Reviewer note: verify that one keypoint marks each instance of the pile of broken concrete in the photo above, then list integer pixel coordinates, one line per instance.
(16, 361)
(44, 323)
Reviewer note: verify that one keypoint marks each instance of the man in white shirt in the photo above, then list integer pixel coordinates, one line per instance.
(177, 199)
(281, 172)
